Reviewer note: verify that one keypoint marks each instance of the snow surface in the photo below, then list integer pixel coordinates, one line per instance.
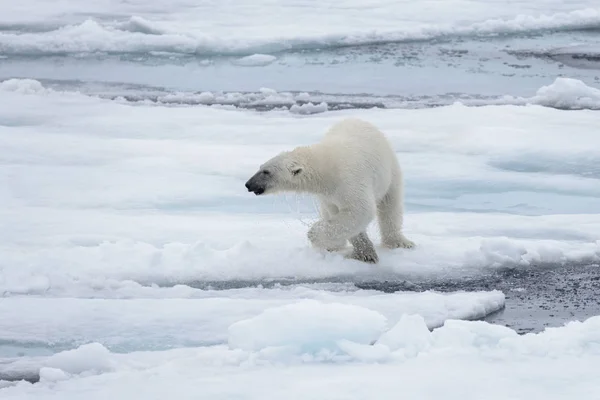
(307, 326)
(97, 193)
(249, 26)
(499, 364)
(183, 316)
(117, 218)
(563, 93)
(255, 60)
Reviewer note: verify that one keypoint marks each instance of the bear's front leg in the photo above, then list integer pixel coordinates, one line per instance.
(346, 224)
(363, 249)
(319, 239)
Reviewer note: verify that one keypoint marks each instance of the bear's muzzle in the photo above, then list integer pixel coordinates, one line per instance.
(253, 185)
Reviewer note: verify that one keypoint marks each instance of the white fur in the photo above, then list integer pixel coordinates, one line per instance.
(356, 176)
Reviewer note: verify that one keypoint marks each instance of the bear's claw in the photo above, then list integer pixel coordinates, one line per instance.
(370, 258)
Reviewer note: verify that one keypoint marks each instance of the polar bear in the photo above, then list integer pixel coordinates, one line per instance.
(355, 174)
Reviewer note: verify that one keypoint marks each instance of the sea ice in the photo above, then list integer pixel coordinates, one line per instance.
(255, 60)
(98, 193)
(555, 364)
(568, 93)
(125, 227)
(179, 318)
(306, 326)
(265, 27)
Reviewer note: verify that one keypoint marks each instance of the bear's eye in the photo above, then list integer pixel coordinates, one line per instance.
(296, 171)
(265, 172)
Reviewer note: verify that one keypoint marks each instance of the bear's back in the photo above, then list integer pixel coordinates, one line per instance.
(361, 137)
(360, 151)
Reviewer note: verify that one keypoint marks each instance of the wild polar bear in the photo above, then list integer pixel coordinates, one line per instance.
(355, 175)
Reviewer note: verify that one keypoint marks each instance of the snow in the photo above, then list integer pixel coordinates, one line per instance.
(24, 86)
(410, 333)
(309, 108)
(91, 357)
(48, 374)
(128, 200)
(562, 93)
(211, 27)
(97, 193)
(126, 228)
(307, 326)
(568, 93)
(179, 317)
(255, 60)
(420, 363)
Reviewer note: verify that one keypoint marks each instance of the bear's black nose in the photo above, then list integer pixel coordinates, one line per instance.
(248, 186)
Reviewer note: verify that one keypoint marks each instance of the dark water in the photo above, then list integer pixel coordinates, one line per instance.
(536, 297)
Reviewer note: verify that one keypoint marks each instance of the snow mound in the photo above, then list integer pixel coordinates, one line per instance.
(309, 108)
(141, 25)
(22, 86)
(410, 338)
(567, 93)
(49, 374)
(410, 333)
(478, 334)
(307, 326)
(88, 358)
(255, 60)
(576, 338)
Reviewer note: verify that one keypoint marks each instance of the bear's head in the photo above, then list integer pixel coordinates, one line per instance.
(286, 172)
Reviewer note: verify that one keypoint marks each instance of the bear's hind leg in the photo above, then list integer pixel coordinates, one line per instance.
(364, 250)
(390, 218)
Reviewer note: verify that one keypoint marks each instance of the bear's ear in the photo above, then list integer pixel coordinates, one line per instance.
(295, 167)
